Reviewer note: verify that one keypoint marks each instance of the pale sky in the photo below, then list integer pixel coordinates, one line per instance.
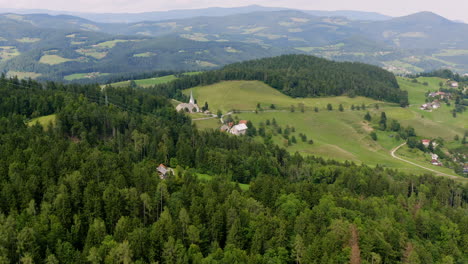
(451, 9)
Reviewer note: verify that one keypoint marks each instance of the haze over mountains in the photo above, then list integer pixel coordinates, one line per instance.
(61, 46)
(189, 13)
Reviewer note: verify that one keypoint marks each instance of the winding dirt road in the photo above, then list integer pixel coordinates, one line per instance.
(426, 168)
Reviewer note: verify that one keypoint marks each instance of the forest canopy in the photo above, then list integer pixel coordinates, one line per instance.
(86, 190)
(304, 76)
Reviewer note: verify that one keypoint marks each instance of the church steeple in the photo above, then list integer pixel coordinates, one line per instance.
(192, 101)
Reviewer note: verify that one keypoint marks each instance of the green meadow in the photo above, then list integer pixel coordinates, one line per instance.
(44, 120)
(336, 135)
(151, 81)
(53, 59)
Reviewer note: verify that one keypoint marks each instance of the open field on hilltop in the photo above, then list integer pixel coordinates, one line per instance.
(336, 135)
(438, 123)
(111, 43)
(23, 75)
(8, 52)
(244, 95)
(77, 76)
(53, 59)
(145, 54)
(151, 81)
(147, 82)
(43, 120)
(28, 40)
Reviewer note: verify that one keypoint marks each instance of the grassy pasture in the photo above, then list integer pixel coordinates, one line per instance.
(24, 75)
(336, 135)
(151, 81)
(44, 120)
(53, 59)
(77, 76)
(111, 43)
(145, 55)
(8, 52)
(28, 40)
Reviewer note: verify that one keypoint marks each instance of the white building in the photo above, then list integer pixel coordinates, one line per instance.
(239, 129)
(191, 107)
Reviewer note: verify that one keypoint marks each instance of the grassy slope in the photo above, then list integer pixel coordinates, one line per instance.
(43, 120)
(337, 135)
(151, 81)
(147, 82)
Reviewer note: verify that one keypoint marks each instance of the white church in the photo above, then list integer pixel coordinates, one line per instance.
(191, 107)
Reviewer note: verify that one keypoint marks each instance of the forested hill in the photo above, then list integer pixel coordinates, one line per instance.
(307, 76)
(84, 189)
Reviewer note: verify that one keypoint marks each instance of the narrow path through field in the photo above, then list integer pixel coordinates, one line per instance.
(412, 163)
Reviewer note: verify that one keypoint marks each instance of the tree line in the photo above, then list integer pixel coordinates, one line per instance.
(302, 76)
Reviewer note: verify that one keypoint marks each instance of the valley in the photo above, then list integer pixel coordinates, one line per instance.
(55, 46)
(253, 135)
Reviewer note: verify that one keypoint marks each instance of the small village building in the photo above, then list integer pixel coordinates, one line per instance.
(434, 156)
(426, 142)
(454, 84)
(243, 122)
(465, 169)
(436, 163)
(239, 129)
(191, 107)
(224, 128)
(164, 171)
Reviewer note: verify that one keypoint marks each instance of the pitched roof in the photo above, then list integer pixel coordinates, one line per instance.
(240, 127)
(243, 122)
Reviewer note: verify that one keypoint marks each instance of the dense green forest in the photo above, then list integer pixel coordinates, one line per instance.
(303, 76)
(85, 190)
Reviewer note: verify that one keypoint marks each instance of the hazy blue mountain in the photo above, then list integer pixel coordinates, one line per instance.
(57, 46)
(350, 14)
(190, 13)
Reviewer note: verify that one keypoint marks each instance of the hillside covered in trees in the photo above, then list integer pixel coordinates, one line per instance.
(85, 190)
(304, 76)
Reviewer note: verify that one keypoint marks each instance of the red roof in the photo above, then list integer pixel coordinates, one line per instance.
(426, 141)
(162, 165)
(243, 122)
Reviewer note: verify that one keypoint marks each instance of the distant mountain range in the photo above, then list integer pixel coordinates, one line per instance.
(68, 47)
(189, 13)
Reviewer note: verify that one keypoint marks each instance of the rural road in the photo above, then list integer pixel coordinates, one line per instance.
(412, 163)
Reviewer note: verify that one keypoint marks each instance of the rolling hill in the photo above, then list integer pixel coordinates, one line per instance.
(342, 135)
(189, 13)
(33, 47)
(65, 47)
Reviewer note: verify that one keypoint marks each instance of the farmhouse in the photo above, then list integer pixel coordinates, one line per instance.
(454, 84)
(191, 107)
(239, 129)
(426, 142)
(164, 171)
(436, 162)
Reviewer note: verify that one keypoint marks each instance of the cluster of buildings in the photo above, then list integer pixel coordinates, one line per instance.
(434, 157)
(436, 97)
(239, 129)
(441, 95)
(429, 106)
